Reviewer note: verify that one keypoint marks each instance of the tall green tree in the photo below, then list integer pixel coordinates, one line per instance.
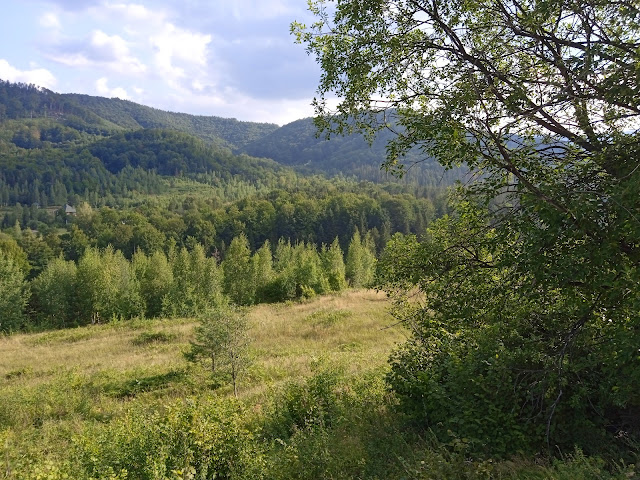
(263, 273)
(54, 294)
(106, 287)
(14, 294)
(238, 272)
(155, 277)
(9, 246)
(360, 265)
(333, 266)
(532, 286)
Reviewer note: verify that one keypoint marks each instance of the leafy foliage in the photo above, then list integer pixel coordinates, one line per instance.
(529, 312)
(185, 439)
(14, 294)
(222, 339)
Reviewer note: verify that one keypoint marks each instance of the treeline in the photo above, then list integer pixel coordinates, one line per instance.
(173, 153)
(103, 285)
(20, 100)
(42, 119)
(315, 216)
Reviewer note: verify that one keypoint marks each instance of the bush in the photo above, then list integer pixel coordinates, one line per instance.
(313, 404)
(146, 338)
(207, 439)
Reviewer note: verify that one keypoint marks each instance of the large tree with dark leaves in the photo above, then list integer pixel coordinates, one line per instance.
(529, 328)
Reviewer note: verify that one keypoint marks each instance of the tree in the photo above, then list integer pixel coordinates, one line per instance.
(532, 286)
(360, 262)
(333, 266)
(14, 294)
(238, 272)
(262, 268)
(54, 293)
(155, 277)
(10, 248)
(106, 287)
(222, 339)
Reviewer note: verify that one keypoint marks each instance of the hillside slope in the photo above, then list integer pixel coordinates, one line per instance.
(297, 144)
(227, 132)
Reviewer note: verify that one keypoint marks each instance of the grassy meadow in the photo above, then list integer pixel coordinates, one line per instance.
(119, 401)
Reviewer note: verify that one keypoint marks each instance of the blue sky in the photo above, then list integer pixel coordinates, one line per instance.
(232, 58)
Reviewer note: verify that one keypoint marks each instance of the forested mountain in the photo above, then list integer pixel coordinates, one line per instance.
(227, 132)
(47, 163)
(294, 144)
(297, 144)
(185, 190)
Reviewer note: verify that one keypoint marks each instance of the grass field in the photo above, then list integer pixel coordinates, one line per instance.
(352, 330)
(120, 401)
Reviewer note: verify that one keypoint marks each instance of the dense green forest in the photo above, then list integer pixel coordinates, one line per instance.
(299, 145)
(295, 144)
(219, 282)
(141, 194)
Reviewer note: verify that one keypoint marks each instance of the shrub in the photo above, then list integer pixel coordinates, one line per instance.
(207, 438)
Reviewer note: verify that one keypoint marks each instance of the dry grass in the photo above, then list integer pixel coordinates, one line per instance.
(56, 386)
(352, 329)
(53, 384)
(89, 350)
(348, 329)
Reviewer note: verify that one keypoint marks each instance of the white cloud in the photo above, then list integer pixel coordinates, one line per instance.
(38, 76)
(50, 20)
(133, 12)
(176, 45)
(71, 59)
(115, 48)
(99, 50)
(137, 21)
(103, 89)
(178, 53)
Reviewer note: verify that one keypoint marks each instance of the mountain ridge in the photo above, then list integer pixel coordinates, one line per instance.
(295, 145)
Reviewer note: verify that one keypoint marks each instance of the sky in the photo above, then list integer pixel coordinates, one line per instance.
(227, 58)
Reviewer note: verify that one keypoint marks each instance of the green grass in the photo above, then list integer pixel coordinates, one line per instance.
(313, 404)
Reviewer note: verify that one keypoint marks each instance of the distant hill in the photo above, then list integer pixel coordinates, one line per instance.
(54, 147)
(171, 153)
(81, 120)
(297, 144)
(227, 132)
